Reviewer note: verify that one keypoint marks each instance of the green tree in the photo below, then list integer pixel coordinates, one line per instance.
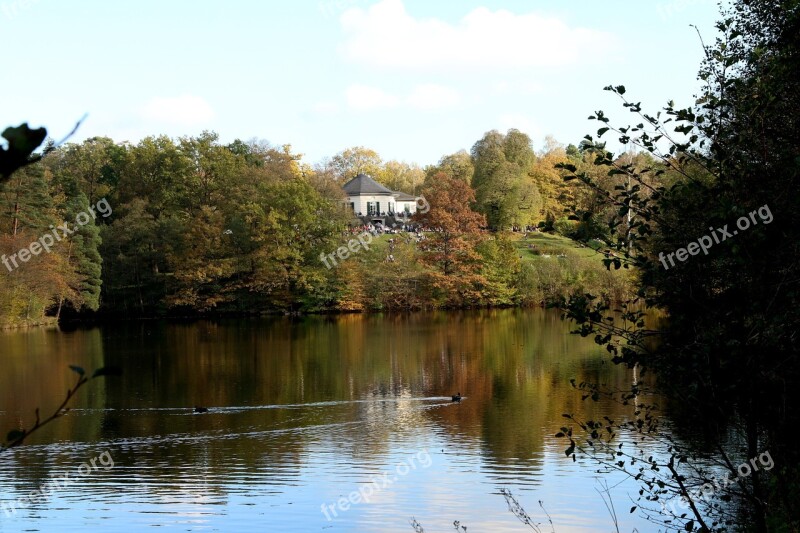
(82, 253)
(291, 230)
(501, 267)
(131, 257)
(505, 192)
(458, 165)
(157, 170)
(213, 170)
(89, 166)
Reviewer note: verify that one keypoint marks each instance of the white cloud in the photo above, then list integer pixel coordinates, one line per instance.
(364, 98)
(431, 96)
(386, 35)
(185, 110)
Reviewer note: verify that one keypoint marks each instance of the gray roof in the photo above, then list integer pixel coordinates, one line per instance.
(363, 184)
(403, 197)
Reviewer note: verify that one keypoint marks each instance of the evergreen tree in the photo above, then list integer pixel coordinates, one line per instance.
(83, 253)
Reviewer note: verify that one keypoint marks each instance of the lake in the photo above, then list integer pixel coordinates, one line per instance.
(315, 424)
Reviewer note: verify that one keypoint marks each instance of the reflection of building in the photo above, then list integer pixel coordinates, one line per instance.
(367, 197)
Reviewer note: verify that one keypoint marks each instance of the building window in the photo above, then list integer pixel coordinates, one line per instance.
(353, 206)
(370, 208)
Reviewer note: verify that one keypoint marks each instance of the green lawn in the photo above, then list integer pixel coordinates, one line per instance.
(545, 243)
(552, 245)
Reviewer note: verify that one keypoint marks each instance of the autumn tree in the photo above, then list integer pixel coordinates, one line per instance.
(353, 161)
(450, 246)
(31, 281)
(400, 176)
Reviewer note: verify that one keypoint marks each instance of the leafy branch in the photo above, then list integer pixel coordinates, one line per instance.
(16, 437)
(702, 485)
(517, 510)
(22, 142)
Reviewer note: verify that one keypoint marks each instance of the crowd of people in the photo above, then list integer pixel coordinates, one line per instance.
(409, 232)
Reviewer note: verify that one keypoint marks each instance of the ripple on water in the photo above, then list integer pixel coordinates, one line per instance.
(271, 466)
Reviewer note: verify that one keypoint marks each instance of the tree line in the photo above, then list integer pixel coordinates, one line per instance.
(200, 226)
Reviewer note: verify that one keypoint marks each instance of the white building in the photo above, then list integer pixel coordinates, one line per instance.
(367, 197)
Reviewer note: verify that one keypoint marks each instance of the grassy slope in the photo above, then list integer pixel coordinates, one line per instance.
(579, 269)
(553, 245)
(545, 243)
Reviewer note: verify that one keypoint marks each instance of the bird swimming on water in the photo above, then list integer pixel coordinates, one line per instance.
(457, 397)
(200, 409)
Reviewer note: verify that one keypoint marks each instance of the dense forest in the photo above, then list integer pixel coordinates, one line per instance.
(191, 225)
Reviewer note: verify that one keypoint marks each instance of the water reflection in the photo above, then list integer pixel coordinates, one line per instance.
(303, 413)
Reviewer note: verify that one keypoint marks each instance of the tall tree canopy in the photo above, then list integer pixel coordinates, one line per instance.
(505, 192)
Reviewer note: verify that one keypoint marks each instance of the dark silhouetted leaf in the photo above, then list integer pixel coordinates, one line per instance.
(14, 434)
(569, 451)
(107, 371)
(22, 141)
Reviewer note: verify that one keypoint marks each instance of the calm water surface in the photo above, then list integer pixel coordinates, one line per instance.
(303, 413)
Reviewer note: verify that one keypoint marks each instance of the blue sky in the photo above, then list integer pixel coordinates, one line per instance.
(412, 79)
